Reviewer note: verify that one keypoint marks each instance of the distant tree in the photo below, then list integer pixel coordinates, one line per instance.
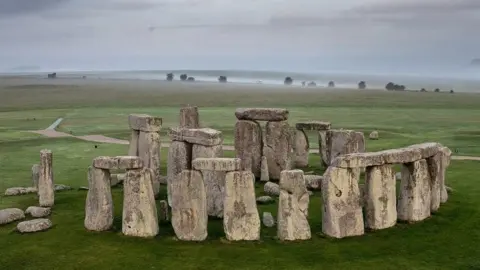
(423, 90)
(183, 77)
(190, 79)
(451, 91)
(437, 90)
(312, 84)
(362, 85)
(52, 75)
(288, 81)
(399, 87)
(331, 84)
(222, 79)
(390, 86)
(170, 77)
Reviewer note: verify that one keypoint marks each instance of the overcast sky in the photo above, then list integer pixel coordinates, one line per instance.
(256, 34)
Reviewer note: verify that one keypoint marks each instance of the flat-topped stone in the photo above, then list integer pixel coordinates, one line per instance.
(118, 163)
(401, 155)
(202, 136)
(217, 164)
(38, 212)
(35, 225)
(313, 125)
(145, 122)
(262, 114)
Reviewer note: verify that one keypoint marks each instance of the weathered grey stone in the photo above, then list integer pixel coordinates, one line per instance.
(437, 179)
(133, 146)
(341, 142)
(83, 188)
(264, 175)
(114, 179)
(217, 164)
(99, 203)
(398, 176)
(414, 201)
(292, 219)
(189, 117)
(271, 189)
(144, 122)
(449, 189)
(268, 220)
(373, 135)
(46, 192)
(380, 197)
(10, 215)
(313, 182)
(139, 209)
(278, 148)
(214, 180)
(149, 146)
(313, 125)
(15, 191)
(118, 163)
(342, 209)
(447, 153)
(301, 149)
(60, 187)
(179, 159)
(34, 225)
(202, 136)
(189, 206)
(262, 114)
(35, 175)
(322, 147)
(38, 212)
(249, 145)
(265, 200)
(241, 220)
(164, 213)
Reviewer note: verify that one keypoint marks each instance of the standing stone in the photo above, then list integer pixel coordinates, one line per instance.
(149, 151)
(189, 206)
(46, 190)
(322, 147)
(248, 145)
(414, 201)
(380, 197)
(99, 203)
(214, 180)
(179, 159)
(264, 175)
(301, 147)
(139, 209)
(133, 147)
(35, 175)
(446, 162)
(189, 117)
(292, 222)
(241, 220)
(278, 148)
(437, 179)
(164, 213)
(342, 209)
(341, 142)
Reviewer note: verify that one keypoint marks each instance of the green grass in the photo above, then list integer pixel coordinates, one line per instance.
(447, 240)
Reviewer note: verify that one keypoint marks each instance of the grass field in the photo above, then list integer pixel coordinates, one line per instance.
(448, 240)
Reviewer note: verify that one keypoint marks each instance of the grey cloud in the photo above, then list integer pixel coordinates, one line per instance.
(425, 7)
(16, 7)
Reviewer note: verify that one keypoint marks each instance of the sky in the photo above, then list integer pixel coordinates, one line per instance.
(297, 35)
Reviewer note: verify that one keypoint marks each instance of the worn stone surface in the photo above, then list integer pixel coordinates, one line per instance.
(46, 191)
(38, 212)
(437, 180)
(60, 187)
(262, 114)
(342, 208)
(380, 197)
(149, 146)
(214, 180)
(144, 122)
(265, 200)
(301, 149)
(249, 145)
(164, 212)
(268, 220)
(179, 159)
(264, 175)
(292, 219)
(133, 146)
(189, 206)
(241, 220)
(35, 225)
(217, 164)
(278, 148)
(447, 153)
(341, 142)
(35, 175)
(10, 215)
(189, 117)
(414, 201)
(322, 147)
(118, 163)
(99, 203)
(313, 125)
(373, 135)
(313, 182)
(15, 191)
(139, 216)
(202, 136)
(271, 189)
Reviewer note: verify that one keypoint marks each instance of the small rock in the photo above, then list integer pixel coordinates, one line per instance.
(268, 220)
(373, 135)
(15, 191)
(265, 200)
(38, 212)
(313, 182)
(271, 189)
(60, 187)
(398, 176)
(35, 225)
(449, 189)
(83, 188)
(10, 215)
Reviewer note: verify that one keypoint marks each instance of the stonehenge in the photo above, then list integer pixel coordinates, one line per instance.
(46, 188)
(302, 145)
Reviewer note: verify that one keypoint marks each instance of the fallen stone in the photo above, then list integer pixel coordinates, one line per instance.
(35, 175)
(313, 125)
(241, 220)
(249, 145)
(278, 148)
(179, 159)
(99, 203)
(217, 164)
(83, 188)
(35, 225)
(46, 191)
(10, 215)
(265, 200)
(189, 117)
(38, 212)
(271, 189)
(149, 146)
(342, 142)
(301, 149)
(262, 114)
(373, 135)
(202, 136)
(264, 175)
(15, 191)
(164, 213)
(60, 187)
(313, 182)
(144, 122)
(118, 163)
(268, 220)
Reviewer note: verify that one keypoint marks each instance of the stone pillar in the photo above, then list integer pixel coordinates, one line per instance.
(437, 179)
(414, 202)
(241, 220)
(342, 209)
(249, 145)
(278, 148)
(321, 127)
(139, 210)
(133, 147)
(341, 142)
(189, 117)
(46, 189)
(264, 175)
(380, 197)
(99, 203)
(35, 175)
(446, 162)
(179, 159)
(189, 206)
(301, 149)
(293, 203)
(322, 147)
